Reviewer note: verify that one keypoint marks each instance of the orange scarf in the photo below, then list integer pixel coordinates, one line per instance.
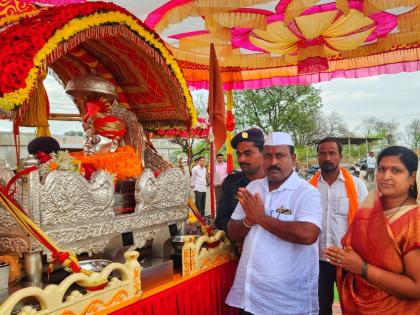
(350, 189)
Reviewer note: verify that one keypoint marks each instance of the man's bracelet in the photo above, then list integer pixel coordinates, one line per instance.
(247, 225)
(363, 273)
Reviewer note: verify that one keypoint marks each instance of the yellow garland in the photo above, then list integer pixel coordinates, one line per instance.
(74, 26)
(16, 17)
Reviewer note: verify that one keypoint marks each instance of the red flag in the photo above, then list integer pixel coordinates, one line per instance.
(216, 106)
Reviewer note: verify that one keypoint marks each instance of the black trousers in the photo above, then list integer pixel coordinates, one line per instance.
(200, 202)
(327, 277)
(243, 312)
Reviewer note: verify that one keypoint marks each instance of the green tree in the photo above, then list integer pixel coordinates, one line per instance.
(332, 125)
(194, 147)
(377, 128)
(294, 109)
(412, 134)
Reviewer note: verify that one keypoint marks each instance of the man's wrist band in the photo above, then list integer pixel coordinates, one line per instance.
(245, 222)
(363, 273)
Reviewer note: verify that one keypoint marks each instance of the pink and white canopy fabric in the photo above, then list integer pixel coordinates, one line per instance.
(261, 43)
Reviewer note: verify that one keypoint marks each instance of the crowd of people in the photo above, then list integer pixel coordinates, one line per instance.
(298, 239)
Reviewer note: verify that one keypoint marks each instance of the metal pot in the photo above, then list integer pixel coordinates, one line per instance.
(94, 265)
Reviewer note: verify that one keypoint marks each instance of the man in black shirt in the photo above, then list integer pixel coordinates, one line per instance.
(248, 145)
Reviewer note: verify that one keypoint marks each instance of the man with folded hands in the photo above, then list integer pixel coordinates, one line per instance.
(278, 219)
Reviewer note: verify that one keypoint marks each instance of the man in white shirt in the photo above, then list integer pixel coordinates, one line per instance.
(337, 187)
(279, 219)
(219, 175)
(371, 165)
(199, 185)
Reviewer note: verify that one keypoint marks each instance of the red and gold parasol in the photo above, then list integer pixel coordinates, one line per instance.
(99, 38)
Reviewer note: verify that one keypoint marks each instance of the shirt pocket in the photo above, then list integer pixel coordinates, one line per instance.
(342, 206)
(282, 216)
(286, 217)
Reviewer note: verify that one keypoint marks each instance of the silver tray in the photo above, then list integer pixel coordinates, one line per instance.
(94, 265)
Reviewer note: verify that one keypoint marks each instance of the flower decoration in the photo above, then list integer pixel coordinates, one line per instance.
(87, 170)
(317, 34)
(200, 130)
(43, 157)
(37, 36)
(282, 42)
(60, 161)
(124, 162)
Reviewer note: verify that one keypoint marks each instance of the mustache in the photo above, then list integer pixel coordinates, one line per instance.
(274, 168)
(327, 163)
(244, 164)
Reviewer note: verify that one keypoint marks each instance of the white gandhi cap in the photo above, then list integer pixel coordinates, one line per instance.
(278, 138)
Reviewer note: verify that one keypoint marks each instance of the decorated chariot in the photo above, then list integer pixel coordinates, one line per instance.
(100, 202)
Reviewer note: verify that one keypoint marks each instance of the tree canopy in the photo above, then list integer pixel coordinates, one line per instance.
(372, 127)
(294, 109)
(412, 134)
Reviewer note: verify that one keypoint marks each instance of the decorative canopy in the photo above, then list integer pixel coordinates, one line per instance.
(261, 43)
(265, 43)
(93, 38)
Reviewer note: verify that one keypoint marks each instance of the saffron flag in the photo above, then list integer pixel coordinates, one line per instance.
(216, 105)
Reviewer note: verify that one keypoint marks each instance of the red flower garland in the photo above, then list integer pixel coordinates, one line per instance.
(21, 42)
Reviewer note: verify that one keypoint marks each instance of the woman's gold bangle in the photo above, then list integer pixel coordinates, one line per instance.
(247, 225)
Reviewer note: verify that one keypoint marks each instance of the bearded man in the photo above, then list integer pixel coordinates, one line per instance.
(341, 193)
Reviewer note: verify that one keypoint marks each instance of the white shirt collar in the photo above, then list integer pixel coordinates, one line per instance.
(340, 177)
(291, 183)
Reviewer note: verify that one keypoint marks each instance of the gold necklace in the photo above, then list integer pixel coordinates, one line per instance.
(393, 214)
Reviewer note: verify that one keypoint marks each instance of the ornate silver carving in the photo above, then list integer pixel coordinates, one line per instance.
(6, 174)
(170, 188)
(78, 233)
(78, 215)
(67, 197)
(14, 244)
(90, 142)
(7, 222)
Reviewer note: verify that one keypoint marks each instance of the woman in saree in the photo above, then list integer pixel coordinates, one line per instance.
(379, 264)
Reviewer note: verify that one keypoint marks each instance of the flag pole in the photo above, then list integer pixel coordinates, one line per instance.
(212, 197)
(217, 118)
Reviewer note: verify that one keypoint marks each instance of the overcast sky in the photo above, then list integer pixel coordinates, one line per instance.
(385, 97)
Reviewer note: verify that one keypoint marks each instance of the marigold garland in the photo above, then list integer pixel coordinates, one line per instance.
(124, 162)
(95, 16)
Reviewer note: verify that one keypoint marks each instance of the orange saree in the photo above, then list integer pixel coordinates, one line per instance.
(383, 243)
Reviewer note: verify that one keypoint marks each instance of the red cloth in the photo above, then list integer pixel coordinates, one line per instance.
(203, 294)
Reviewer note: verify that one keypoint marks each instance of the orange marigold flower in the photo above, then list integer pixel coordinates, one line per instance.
(124, 162)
